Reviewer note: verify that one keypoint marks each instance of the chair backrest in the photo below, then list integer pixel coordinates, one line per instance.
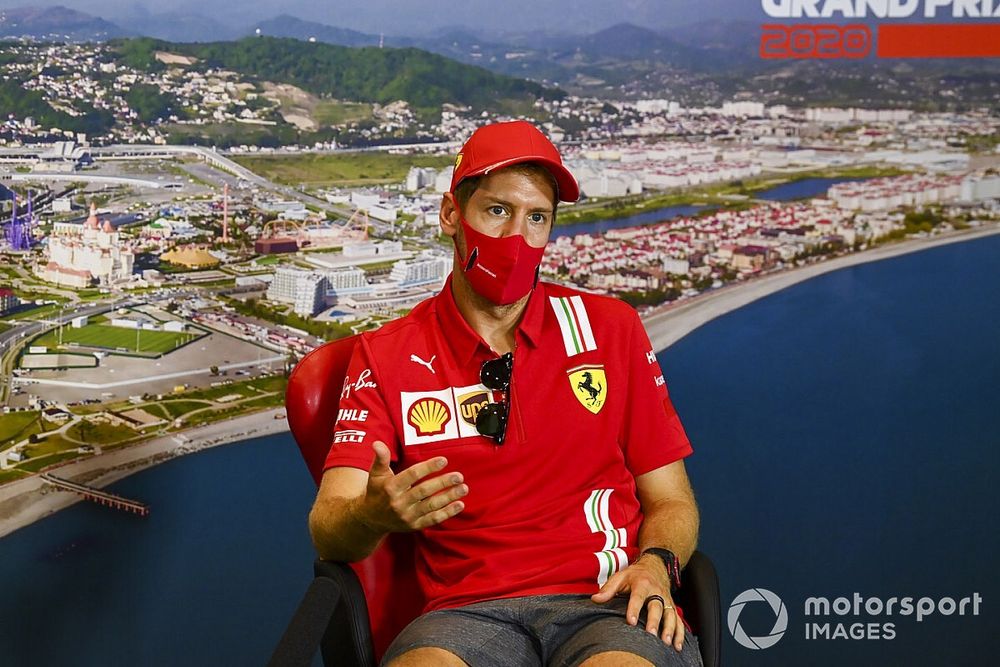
(311, 403)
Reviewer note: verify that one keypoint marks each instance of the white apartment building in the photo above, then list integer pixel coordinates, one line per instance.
(420, 177)
(304, 290)
(420, 271)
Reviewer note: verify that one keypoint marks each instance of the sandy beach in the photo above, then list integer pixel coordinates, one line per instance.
(670, 323)
(27, 500)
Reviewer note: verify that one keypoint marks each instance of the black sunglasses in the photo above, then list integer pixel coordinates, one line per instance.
(492, 418)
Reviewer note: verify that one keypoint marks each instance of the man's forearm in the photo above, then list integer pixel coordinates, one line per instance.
(339, 532)
(673, 525)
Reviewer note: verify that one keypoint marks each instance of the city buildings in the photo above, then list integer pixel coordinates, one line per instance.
(78, 255)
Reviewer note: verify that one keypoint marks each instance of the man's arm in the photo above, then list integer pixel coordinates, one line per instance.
(670, 513)
(355, 509)
(670, 522)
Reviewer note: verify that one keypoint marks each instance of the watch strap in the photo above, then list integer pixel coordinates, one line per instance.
(670, 561)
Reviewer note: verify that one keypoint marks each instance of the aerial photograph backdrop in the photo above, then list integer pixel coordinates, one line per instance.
(801, 200)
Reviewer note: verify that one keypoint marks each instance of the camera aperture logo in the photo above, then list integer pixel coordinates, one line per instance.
(780, 618)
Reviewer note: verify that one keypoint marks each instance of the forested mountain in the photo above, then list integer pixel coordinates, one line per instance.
(368, 74)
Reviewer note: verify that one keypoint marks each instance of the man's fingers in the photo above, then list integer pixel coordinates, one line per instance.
(435, 502)
(609, 589)
(679, 633)
(436, 517)
(669, 625)
(430, 487)
(636, 601)
(380, 466)
(654, 613)
(408, 477)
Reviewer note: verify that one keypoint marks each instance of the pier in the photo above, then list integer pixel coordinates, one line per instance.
(98, 496)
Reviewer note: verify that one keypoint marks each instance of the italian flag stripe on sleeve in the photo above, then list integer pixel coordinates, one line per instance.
(574, 324)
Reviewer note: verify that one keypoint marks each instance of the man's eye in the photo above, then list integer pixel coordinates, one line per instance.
(496, 210)
(538, 218)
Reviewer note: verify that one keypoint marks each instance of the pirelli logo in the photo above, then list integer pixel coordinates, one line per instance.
(574, 324)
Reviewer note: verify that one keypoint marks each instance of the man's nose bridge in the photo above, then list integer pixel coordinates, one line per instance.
(517, 224)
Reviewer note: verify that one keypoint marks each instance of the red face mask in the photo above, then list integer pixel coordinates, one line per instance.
(500, 269)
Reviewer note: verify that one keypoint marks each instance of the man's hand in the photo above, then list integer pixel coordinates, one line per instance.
(401, 503)
(644, 578)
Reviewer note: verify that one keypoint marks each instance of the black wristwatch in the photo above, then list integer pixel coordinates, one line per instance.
(671, 562)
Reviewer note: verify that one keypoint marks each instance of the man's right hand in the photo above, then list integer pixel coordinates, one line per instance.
(403, 502)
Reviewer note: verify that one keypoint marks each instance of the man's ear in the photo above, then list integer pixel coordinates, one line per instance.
(449, 215)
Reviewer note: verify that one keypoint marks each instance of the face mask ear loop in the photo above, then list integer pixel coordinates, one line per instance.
(468, 261)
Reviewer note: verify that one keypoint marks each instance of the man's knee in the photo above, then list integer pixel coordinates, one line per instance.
(616, 659)
(428, 656)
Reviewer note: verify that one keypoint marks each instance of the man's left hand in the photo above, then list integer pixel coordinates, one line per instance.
(641, 580)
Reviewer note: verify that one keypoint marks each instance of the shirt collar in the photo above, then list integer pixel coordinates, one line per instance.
(464, 340)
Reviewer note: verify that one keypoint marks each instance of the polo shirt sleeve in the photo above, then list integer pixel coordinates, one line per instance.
(652, 435)
(363, 415)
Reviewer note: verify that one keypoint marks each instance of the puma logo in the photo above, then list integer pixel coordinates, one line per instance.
(414, 358)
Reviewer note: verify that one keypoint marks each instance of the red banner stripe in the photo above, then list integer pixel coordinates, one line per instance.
(939, 40)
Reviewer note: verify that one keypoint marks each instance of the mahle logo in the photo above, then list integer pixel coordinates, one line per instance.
(780, 618)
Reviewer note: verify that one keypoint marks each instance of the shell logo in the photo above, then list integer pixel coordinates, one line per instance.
(429, 416)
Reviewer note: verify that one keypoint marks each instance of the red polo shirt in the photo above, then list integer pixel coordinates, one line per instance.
(553, 509)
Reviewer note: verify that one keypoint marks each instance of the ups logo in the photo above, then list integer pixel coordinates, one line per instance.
(470, 404)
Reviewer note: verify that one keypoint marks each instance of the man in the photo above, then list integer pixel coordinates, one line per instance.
(523, 429)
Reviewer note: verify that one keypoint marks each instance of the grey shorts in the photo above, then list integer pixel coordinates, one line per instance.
(539, 630)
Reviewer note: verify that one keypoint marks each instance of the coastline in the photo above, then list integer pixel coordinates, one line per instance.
(25, 501)
(668, 324)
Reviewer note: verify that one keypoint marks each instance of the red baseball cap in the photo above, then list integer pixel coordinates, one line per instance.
(502, 144)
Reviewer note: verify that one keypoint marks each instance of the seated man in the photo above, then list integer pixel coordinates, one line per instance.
(523, 429)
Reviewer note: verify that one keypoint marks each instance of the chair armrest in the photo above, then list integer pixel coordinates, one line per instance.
(698, 596)
(333, 616)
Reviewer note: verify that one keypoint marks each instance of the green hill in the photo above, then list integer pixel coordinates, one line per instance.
(16, 100)
(369, 74)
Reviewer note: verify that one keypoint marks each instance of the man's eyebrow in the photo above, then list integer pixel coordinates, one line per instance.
(494, 199)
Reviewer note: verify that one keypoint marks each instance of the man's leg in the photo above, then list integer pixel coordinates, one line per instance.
(485, 634)
(613, 642)
(428, 657)
(575, 631)
(616, 659)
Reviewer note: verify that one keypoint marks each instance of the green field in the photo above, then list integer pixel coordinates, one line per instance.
(99, 432)
(16, 426)
(313, 169)
(34, 313)
(36, 464)
(105, 336)
(11, 474)
(329, 112)
(177, 408)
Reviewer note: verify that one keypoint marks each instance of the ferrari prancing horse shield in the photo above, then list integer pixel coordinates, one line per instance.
(590, 386)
